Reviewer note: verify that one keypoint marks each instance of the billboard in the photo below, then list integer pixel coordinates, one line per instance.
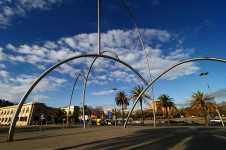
(109, 114)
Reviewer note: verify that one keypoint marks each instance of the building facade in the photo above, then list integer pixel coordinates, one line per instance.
(150, 106)
(74, 110)
(30, 114)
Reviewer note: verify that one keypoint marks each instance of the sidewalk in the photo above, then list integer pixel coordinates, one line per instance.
(111, 137)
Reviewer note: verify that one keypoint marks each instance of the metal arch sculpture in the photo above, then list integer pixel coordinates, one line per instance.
(27, 93)
(87, 76)
(72, 94)
(148, 66)
(173, 66)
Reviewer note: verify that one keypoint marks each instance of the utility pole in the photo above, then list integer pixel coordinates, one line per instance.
(114, 89)
(206, 73)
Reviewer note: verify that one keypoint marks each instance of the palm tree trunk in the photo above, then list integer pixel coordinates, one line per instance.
(142, 115)
(205, 116)
(167, 116)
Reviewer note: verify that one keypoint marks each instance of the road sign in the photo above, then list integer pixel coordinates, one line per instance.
(43, 116)
(109, 114)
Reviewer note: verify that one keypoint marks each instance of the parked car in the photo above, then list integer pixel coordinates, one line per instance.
(215, 121)
(194, 123)
(138, 121)
(172, 121)
(109, 122)
(100, 122)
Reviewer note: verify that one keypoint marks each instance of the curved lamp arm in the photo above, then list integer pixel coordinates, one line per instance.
(73, 92)
(87, 76)
(27, 93)
(177, 64)
(148, 66)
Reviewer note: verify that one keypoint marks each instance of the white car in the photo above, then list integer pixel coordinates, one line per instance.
(215, 121)
(138, 122)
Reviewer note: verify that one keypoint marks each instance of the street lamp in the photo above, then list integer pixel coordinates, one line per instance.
(114, 89)
(206, 73)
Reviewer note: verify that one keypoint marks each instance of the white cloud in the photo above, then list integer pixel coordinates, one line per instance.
(70, 42)
(103, 77)
(16, 58)
(40, 98)
(4, 74)
(184, 103)
(155, 34)
(103, 104)
(19, 84)
(220, 93)
(20, 8)
(10, 46)
(65, 68)
(2, 55)
(97, 82)
(103, 92)
(125, 43)
(50, 45)
(2, 66)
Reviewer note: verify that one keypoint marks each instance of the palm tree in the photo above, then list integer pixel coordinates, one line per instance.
(59, 114)
(135, 93)
(166, 102)
(122, 100)
(202, 103)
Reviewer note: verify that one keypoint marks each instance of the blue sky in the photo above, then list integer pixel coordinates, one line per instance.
(34, 35)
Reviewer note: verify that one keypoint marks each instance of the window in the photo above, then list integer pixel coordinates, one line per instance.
(21, 118)
(2, 119)
(6, 119)
(38, 109)
(25, 118)
(4, 112)
(36, 118)
(11, 112)
(23, 110)
(27, 110)
(8, 112)
(9, 119)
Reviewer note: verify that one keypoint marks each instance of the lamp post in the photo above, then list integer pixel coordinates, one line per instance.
(114, 89)
(206, 73)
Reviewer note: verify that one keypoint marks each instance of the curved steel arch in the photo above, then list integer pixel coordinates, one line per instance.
(177, 64)
(23, 99)
(148, 65)
(73, 92)
(87, 76)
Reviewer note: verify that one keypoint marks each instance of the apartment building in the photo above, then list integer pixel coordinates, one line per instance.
(30, 114)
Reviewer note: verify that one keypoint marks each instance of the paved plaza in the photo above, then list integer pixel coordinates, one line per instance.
(111, 137)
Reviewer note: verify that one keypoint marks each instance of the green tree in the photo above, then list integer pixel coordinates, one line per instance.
(166, 102)
(144, 98)
(122, 100)
(4, 103)
(202, 103)
(59, 114)
(98, 111)
(222, 108)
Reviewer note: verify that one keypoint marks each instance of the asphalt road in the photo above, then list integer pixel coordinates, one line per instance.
(111, 137)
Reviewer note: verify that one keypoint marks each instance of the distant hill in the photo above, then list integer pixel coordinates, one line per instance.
(4, 103)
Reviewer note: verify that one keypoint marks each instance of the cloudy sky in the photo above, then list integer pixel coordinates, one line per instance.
(35, 35)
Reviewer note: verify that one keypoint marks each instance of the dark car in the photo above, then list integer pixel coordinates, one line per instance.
(194, 123)
(172, 122)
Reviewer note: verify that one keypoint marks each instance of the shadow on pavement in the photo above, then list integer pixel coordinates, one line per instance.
(163, 138)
